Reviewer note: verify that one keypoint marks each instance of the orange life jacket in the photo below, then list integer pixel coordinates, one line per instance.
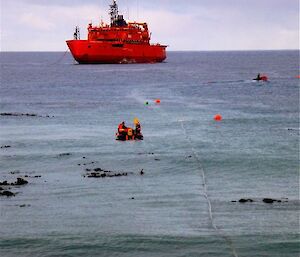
(121, 127)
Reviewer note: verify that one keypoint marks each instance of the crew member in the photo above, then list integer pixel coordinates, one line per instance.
(122, 129)
(258, 77)
(137, 128)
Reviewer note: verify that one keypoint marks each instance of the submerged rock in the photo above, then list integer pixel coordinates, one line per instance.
(265, 200)
(20, 182)
(5, 146)
(7, 193)
(89, 163)
(15, 172)
(24, 205)
(146, 153)
(101, 173)
(18, 114)
(245, 200)
(270, 200)
(36, 176)
(93, 175)
(64, 154)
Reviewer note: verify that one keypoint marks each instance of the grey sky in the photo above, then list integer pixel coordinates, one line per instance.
(44, 25)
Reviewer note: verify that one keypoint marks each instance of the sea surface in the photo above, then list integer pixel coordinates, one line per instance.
(186, 204)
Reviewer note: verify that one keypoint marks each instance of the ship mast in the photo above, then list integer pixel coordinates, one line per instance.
(113, 12)
(116, 20)
(77, 33)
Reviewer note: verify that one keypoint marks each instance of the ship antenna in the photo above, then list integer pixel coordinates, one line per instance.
(77, 33)
(113, 12)
(138, 7)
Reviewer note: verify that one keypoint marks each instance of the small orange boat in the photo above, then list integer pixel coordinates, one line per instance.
(261, 78)
(126, 133)
(129, 134)
(119, 42)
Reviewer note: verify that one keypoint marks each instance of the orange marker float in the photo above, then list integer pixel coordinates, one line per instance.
(218, 117)
(157, 101)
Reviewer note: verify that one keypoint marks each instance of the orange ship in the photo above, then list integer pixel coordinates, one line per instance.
(119, 42)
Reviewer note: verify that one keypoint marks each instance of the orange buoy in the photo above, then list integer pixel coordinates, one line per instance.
(298, 77)
(218, 117)
(157, 101)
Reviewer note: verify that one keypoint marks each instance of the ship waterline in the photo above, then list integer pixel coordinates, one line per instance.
(93, 52)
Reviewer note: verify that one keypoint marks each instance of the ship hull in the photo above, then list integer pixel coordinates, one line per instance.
(97, 52)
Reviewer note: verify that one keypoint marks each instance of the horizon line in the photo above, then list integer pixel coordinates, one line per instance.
(233, 50)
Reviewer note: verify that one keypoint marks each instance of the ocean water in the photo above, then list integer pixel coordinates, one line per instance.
(195, 168)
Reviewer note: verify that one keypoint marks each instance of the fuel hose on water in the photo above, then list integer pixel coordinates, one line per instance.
(205, 193)
(59, 59)
(221, 233)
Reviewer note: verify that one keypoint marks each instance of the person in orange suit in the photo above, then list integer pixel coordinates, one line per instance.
(122, 129)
